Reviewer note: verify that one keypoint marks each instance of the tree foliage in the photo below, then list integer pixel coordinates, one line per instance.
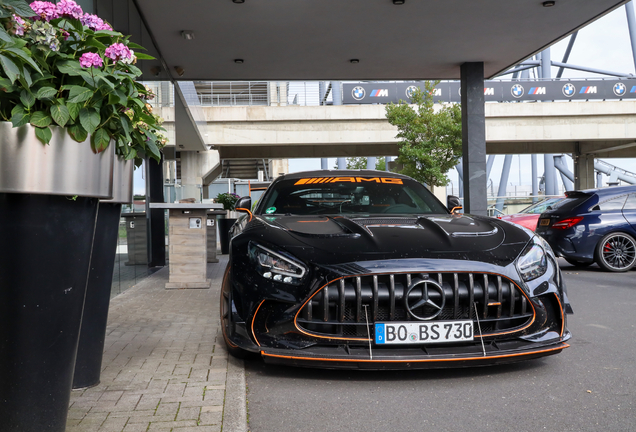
(430, 140)
(361, 163)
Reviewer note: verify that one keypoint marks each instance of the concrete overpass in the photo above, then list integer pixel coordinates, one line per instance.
(603, 129)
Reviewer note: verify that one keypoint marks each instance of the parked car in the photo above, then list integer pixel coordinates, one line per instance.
(368, 269)
(529, 216)
(596, 225)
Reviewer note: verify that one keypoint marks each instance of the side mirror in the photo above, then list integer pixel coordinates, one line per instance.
(244, 204)
(453, 204)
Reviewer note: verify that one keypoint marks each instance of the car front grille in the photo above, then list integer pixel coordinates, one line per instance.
(343, 308)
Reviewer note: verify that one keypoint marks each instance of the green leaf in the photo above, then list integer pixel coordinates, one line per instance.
(100, 140)
(142, 56)
(122, 97)
(91, 41)
(24, 55)
(89, 119)
(138, 102)
(69, 67)
(40, 119)
(4, 35)
(46, 93)
(90, 80)
(27, 98)
(6, 86)
(154, 150)
(105, 80)
(77, 132)
(19, 117)
(44, 134)
(134, 46)
(79, 94)
(25, 79)
(20, 7)
(60, 114)
(107, 33)
(10, 69)
(73, 109)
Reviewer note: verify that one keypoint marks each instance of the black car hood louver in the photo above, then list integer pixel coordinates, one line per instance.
(372, 237)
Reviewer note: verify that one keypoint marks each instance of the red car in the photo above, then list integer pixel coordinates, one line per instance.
(529, 216)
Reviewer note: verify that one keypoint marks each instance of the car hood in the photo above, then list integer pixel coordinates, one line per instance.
(380, 237)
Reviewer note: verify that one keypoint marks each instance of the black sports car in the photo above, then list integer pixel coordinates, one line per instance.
(367, 269)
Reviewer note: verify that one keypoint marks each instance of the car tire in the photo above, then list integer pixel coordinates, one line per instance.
(577, 263)
(227, 326)
(616, 252)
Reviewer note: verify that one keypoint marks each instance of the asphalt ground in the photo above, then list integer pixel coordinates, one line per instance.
(590, 386)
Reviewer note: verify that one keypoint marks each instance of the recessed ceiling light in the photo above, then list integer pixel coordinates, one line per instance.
(548, 3)
(238, 1)
(187, 34)
(399, 2)
(354, 61)
(239, 61)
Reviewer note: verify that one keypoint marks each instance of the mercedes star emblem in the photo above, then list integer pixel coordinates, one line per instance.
(434, 303)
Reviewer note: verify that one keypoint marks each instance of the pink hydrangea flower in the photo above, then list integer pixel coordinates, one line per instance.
(18, 25)
(69, 8)
(94, 22)
(119, 52)
(46, 10)
(91, 59)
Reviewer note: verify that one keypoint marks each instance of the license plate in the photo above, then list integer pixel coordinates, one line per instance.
(423, 332)
(544, 222)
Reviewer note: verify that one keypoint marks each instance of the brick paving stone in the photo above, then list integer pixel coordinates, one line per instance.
(163, 352)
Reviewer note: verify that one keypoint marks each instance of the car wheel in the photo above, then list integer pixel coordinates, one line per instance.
(616, 252)
(227, 326)
(577, 263)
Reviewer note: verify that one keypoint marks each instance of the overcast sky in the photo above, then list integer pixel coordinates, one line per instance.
(604, 44)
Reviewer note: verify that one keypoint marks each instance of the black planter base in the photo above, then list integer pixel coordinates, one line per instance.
(93, 331)
(45, 249)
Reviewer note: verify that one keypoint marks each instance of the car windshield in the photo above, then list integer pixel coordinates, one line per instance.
(349, 195)
(541, 206)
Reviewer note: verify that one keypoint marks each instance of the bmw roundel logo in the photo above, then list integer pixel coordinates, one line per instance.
(619, 89)
(517, 90)
(410, 90)
(569, 90)
(358, 93)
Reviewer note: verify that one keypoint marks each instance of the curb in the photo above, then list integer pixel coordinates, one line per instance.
(235, 407)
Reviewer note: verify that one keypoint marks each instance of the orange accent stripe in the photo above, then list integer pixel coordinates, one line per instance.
(562, 314)
(301, 181)
(246, 210)
(565, 345)
(534, 312)
(494, 304)
(254, 319)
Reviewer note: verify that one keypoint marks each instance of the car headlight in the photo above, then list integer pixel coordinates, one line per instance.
(272, 265)
(533, 261)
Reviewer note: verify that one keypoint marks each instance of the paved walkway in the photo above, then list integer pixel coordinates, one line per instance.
(165, 366)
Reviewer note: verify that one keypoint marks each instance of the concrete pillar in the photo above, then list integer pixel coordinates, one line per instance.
(194, 165)
(387, 159)
(549, 173)
(503, 182)
(583, 170)
(342, 163)
(336, 92)
(324, 163)
(599, 179)
(535, 178)
(371, 163)
(474, 138)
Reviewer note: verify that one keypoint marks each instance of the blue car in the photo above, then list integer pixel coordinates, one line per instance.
(594, 225)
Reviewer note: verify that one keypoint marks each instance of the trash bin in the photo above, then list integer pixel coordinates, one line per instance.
(136, 238)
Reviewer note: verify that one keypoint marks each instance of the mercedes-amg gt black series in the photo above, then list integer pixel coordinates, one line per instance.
(369, 270)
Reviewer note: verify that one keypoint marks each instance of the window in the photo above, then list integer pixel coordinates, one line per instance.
(630, 204)
(611, 204)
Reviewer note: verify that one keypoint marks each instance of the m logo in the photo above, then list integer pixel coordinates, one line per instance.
(380, 93)
(489, 91)
(437, 92)
(537, 91)
(588, 90)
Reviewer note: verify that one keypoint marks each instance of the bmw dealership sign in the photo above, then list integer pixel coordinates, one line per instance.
(496, 91)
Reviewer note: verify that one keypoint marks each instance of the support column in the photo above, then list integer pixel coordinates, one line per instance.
(583, 169)
(503, 183)
(474, 138)
(549, 174)
(324, 163)
(155, 218)
(371, 163)
(535, 178)
(631, 24)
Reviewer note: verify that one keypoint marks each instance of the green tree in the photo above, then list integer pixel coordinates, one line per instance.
(361, 163)
(430, 140)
